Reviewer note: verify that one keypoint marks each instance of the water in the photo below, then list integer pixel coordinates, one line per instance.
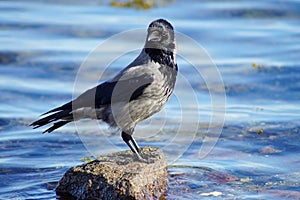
(255, 46)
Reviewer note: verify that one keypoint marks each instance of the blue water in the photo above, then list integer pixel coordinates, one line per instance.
(255, 47)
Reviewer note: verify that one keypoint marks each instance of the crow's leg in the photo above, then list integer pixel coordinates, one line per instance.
(127, 138)
(136, 146)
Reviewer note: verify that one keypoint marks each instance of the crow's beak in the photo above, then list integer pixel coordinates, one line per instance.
(154, 36)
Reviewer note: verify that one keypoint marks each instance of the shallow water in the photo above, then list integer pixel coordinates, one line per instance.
(255, 46)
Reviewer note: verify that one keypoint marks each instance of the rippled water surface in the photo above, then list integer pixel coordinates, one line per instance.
(255, 45)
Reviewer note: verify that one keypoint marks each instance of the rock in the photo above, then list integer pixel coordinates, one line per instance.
(118, 175)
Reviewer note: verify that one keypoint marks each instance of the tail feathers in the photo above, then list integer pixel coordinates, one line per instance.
(56, 126)
(65, 116)
(66, 106)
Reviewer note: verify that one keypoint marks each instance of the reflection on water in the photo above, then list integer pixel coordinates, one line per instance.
(255, 46)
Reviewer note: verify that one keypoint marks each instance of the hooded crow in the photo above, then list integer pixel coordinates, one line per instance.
(134, 94)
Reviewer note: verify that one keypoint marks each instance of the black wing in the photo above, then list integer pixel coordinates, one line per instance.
(103, 94)
(116, 91)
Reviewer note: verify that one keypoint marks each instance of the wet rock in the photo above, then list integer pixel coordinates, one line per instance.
(118, 176)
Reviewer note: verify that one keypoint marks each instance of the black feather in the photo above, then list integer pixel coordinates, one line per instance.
(95, 98)
(51, 118)
(119, 90)
(67, 106)
(56, 125)
(162, 57)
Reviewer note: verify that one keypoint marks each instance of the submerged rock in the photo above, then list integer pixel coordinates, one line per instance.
(118, 175)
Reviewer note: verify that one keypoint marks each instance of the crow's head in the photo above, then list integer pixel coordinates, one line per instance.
(161, 36)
